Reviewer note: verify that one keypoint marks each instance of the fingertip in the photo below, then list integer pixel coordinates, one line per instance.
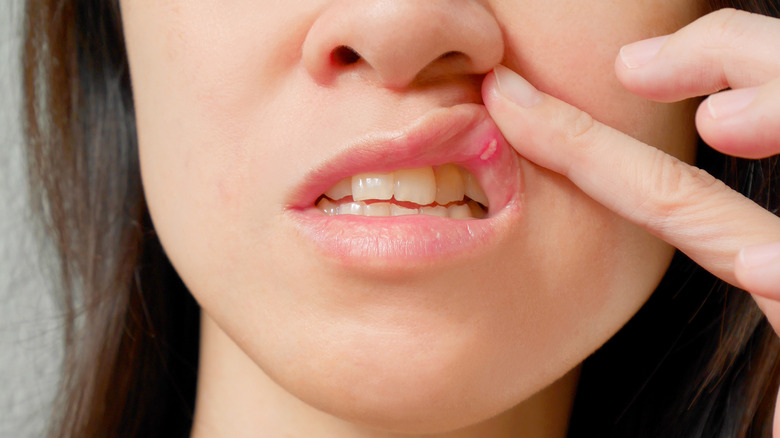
(507, 96)
(489, 91)
(731, 102)
(515, 88)
(639, 54)
(737, 122)
(522, 113)
(643, 70)
(651, 83)
(757, 269)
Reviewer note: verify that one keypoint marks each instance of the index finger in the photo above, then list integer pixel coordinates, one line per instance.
(678, 203)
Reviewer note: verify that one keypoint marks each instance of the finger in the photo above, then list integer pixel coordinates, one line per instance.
(771, 310)
(679, 203)
(726, 48)
(743, 122)
(757, 268)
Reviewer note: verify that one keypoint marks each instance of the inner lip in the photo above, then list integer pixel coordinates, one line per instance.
(463, 135)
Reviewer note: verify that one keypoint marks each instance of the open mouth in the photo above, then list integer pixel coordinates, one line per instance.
(447, 191)
(448, 185)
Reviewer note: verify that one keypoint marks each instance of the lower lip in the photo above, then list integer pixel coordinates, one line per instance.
(414, 242)
(404, 242)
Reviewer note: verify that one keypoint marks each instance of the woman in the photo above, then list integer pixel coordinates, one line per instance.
(296, 160)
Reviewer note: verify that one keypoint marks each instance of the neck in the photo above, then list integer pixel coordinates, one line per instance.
(237, 399)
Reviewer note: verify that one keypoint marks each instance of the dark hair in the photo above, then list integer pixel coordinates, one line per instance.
(131, 332)
(699, 359)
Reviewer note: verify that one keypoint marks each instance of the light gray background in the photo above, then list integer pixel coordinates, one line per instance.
(30, 349)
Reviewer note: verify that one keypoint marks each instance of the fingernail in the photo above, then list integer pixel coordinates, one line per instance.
(637, 54)
(730, 102)
(760, 256)
(515, 88)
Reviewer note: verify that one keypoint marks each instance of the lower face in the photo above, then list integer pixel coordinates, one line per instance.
(400, 322)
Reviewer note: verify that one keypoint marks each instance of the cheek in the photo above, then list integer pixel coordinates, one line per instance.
(569, 52)
(596, 268)
(202, 90)
(602, 266)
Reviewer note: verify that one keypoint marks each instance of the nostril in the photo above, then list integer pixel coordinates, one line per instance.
(344, 56)
(453, 57)
(451, 54)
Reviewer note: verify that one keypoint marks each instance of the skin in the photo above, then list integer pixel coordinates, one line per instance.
(227, 101)
(721, 230)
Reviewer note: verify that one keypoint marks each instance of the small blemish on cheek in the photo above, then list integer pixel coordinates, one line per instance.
(224, 192)
(489, 150)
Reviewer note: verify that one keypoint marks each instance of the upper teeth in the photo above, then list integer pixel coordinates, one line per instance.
(424, 186)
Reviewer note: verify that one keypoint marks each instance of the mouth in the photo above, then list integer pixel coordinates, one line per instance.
(448, 184)
(447, 191)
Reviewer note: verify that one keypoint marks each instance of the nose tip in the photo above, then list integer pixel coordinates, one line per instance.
(395, 42)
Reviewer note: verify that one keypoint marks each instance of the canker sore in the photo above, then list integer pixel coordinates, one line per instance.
(489, 150)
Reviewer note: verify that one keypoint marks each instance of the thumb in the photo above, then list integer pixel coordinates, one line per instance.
(679, 203)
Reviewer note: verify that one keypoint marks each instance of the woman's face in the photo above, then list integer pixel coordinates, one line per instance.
(250, 111)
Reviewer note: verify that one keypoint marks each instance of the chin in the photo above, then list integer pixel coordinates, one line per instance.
(427, 356)
(414, 387)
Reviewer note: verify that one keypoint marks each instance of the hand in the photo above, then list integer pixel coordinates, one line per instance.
(677, 202)
(720, 229)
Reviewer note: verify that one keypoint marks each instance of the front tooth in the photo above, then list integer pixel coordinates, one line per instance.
(342, 189)
(355, 208)
(459, 211)
(415, 185)
(474, 190)
(449, 184)
(437, 210)
(328, 207)
(397, 210)
(377, 209)
(372, 186)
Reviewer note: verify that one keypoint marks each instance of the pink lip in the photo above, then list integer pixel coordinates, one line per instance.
(462, 135)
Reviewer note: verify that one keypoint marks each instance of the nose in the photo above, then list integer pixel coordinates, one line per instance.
(396, 42)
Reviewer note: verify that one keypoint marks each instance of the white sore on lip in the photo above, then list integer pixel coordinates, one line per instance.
(489, 150)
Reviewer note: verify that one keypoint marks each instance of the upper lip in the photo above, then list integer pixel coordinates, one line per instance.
(457, 134)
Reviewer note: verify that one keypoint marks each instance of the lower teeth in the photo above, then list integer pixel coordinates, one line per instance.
(463, 211)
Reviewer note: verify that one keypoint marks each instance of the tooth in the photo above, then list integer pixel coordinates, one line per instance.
(328, 207)
(372, 186)
(355, 208)
(459, 211)
(449, 184)
(415, 185)
(397, 210)
(474, 190)
(342, 189)
(477, 212)
(438, 210)
(377, 209)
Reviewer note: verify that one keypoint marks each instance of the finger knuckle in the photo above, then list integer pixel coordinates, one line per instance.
(727, 25)
(582, 125)
(670, 193)
(580, 128)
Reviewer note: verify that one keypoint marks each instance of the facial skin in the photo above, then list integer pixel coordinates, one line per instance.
(237, 102)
